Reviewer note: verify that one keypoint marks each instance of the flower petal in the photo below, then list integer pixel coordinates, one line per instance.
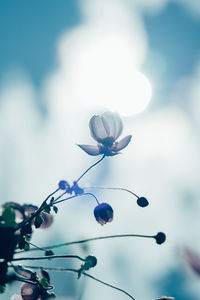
(122, 143)
(113, 124)
(97, 129)
(91, 150)
(24, 272)
(47, 220)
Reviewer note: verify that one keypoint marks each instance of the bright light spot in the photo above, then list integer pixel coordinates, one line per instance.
(106, 76)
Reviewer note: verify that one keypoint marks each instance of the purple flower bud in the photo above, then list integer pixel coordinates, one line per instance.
(30, 291)
(103, 213)
(63, 185)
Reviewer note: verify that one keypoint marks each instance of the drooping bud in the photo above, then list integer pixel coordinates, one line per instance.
(103, 213)
(142, 202)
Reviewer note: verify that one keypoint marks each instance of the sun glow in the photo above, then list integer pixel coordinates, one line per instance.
(107, 76)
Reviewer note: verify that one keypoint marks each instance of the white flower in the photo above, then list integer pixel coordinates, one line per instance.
(105, 129)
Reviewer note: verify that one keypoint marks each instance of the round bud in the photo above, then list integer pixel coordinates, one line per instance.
(91, 261)
(103, 213)
(63, 185)
(160, 238)
(142, 202)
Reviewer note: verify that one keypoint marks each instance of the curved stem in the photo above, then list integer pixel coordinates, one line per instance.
(58, 269)
(48, 257)
(74, 196)
(108, 284)
(92, 239)
(90, 168)
(111, 188)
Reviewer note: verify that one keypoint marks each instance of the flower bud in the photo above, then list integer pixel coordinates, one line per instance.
(160, 238)
(103, 213)
(142, 202)
(63, 185)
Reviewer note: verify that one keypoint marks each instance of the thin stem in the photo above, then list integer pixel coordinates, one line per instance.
(93, 239)
(111, 188)
(58, 269)
(90, 168)
(37, 212)
(38, 248)
(84, 194)
(48, 257)
(107, 284)
(59, 196)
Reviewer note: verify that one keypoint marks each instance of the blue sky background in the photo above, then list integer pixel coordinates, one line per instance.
(29, 35)
(29, 32)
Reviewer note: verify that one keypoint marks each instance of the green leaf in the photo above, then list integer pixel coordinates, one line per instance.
(44, 283)
(27, 238)
(8, 216)
(26, 246)
(47, 209)
(2, 288)
(38, 221)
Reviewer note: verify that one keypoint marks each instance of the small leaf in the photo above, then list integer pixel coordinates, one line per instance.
(45, 274)
(47, 209)
(49, 253)
(44, 283)
(26, 246)
(38, 221)
(8, 216)
(27, 238)
(55, 209)
(2, 288)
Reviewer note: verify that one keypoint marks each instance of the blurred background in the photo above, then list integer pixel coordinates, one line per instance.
(60, 63)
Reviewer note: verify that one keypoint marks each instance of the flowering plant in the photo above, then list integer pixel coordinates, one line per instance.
(17, 222)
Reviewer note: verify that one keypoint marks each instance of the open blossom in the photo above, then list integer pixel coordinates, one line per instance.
(103, 213)
(106, 129)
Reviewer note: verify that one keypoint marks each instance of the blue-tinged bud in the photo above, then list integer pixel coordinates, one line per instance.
(63, 185)
(160, 238)
(142, 202)
(103, 213)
